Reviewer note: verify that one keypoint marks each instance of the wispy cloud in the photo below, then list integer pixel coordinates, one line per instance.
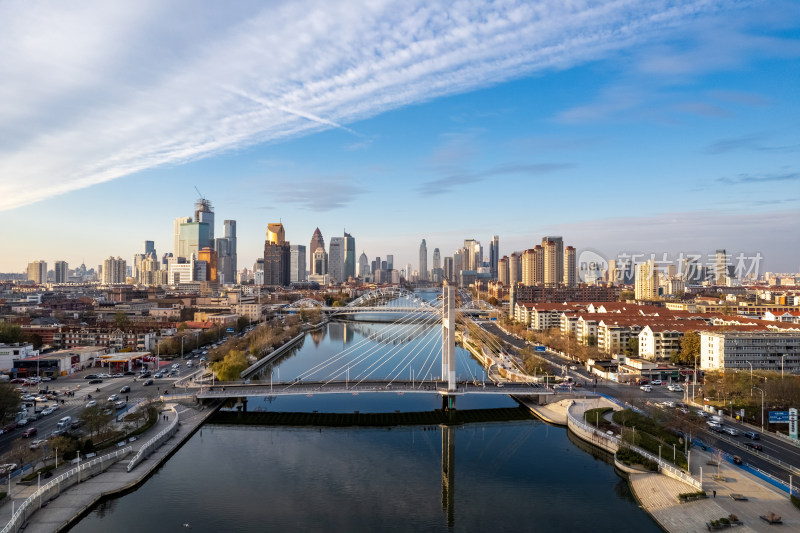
(92, 92)
(747, 142)
(745, 179)
(318, 193)
(458, 178)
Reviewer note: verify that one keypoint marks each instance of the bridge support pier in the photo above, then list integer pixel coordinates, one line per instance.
(241, 404)
(448, 402)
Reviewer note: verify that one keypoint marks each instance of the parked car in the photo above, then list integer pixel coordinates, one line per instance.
(646, 388)
(36, 444)
(737, 460)
(656, 382)
(47, 411)
(733, 432)
(159, 375)
(125, 389)
(9, 428)
(22, 422)
(7, 468)
(30, 432)
(120, 404)
(90, 376)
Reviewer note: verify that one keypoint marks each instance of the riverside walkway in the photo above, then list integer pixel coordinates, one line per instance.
(64, 511)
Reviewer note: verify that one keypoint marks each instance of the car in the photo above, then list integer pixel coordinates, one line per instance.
(752, 435)
(656, 382)
(47, 411)
(104, 376)
(646, 388)
(713, 425)
(129, 373)
(125, 389)
(53, 406)
(733, 432)
(22, 422)
(47, 378)
(190, 363)
(108, 412)
(737, 460)
(90, 376)
(677, 388)
(91, 403)
(75, 424)
(30, 432)
(28, 398)
(7, 468)
(145, 374)
(113, 398)
(95, 381)
(120, 404)
(34, 416)
(57, 432)
(158, 375)
(36, 444)
(754, 446)
(40, 399)
(148, 382)
(175, 365)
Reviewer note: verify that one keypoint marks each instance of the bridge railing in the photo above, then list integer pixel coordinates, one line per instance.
(665, 467)
(53, 488)
(153, 444)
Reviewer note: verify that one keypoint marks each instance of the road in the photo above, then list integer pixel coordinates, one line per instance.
(74, 405)
(779, 458)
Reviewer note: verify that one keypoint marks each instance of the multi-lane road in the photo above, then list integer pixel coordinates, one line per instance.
(81, 390)
(779, 457)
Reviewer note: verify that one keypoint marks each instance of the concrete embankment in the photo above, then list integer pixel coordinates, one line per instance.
(71, 505)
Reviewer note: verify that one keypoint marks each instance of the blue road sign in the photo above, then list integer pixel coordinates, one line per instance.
(230, 330)
(544, 349)
(779, 417)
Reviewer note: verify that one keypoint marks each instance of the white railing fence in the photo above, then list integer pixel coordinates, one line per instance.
(53, 488)
(150, 446)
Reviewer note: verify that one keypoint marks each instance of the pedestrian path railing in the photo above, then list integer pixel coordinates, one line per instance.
(152, 445)
(53, 488)
(612, 441)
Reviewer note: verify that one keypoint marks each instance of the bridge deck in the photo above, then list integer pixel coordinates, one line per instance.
(311, 388)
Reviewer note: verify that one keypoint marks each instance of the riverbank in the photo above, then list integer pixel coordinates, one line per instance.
(658, 494)
(71, 505)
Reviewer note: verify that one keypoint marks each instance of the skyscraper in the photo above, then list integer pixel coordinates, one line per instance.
(149, 247)
(721, 268)
(336, 259)
(319, 262)
(194, 236)
(37, 272)
(502, 270)
(363, 265)
(176, 250)
(570, 270)
(423, 261)
(61, 271)
(390, 262)
(209, 255)
(316, 242)
(646, 285)
(231, 262)
(494, 255)
(514, 268)
(277, 256)
(203, 212)
(349, 257)
(297, 270)
(114, 271)
(553, 260)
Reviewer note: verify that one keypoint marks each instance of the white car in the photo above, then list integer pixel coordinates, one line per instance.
(47, 411)
(92, 403)
(656, 382)
(646, 388)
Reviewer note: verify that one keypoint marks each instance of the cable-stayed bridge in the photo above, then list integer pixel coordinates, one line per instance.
(415, 353)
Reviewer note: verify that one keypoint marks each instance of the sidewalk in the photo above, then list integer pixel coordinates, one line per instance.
(64, 510)
(658, 496)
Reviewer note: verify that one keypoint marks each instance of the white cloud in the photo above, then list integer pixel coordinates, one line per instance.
(93, 91)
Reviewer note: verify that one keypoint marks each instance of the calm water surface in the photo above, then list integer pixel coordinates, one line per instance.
(514, 476)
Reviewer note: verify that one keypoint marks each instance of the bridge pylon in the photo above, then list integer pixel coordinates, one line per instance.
(449, 336)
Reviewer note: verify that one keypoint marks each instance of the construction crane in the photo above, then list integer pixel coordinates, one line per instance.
(198, 192)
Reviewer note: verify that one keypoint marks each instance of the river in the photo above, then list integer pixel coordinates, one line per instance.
(507, 476)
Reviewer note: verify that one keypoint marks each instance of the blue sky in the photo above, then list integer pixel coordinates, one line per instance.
(623, 126)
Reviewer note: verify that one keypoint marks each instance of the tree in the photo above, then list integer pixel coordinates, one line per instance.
(231, 367)
(626, 295)
(121, 320)
(10, 333)
(96, 420)
(9, 402)
(632, 348)
(690, 349)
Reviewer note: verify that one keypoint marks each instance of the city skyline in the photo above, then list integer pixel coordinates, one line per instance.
(638, 128)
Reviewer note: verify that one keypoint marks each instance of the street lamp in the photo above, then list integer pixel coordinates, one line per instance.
(751, 377)
(762, 408)
(784, 355)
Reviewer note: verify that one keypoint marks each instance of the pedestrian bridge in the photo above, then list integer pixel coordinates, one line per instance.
(311, 388)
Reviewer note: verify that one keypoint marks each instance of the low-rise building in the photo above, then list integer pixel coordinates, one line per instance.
(738, 350)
